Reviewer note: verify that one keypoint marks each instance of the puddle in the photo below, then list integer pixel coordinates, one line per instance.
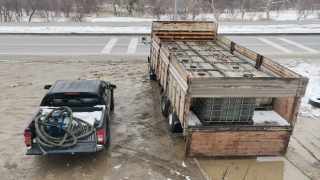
(274, 168)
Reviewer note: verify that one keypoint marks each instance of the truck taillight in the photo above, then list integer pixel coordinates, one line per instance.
(100, 136)
(27, 138)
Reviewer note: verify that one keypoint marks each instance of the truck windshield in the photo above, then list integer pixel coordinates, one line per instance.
(71, 99)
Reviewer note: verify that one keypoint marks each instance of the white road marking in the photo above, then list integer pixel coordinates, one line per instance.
(109, 46)
(276, 45)
(299, 45)
(133, 45)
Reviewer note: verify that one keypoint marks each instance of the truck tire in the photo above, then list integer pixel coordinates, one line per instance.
(164, 104)
(107, 131)
(152, 75)
(112, 101)
(173, 120)
(315, 102)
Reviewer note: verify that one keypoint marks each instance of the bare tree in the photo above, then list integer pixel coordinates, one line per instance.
(66, 7)
(6, 10)
(129, 4)
(267, 5)
(33, 4)
(157, 9)
(140, 7)
(218, 7)
(304, 8)
(17, 8)
(79, 11)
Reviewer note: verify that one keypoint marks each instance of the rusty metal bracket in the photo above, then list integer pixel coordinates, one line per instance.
(259, 61)
(232, 47)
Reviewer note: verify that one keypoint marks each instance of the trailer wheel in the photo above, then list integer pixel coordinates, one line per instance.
(173, 120)
(315, 101)
(152, 75)
(164, 104)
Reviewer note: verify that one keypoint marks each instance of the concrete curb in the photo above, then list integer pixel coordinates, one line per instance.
(148, 34)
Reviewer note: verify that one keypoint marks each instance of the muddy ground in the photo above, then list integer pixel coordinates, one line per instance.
(141, 146)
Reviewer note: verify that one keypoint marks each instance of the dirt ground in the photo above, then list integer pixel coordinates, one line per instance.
(141, 146)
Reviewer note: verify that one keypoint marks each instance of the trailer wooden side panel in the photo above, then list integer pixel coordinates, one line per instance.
(246, 87)
(236, 143)
(257, 59)
(184, 30)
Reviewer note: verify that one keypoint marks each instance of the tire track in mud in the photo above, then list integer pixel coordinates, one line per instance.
(165, 167)
(307, 149)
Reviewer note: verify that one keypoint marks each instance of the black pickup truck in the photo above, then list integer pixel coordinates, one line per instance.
(73, 118)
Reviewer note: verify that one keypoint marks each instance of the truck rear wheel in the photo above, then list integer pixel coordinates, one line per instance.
(164, 104)
(173, 120)
(152, 75)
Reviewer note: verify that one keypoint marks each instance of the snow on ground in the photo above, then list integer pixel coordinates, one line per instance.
(256, 16)
(118, 19)
(284, 28)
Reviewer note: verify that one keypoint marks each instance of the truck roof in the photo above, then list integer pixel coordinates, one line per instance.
(87, 86)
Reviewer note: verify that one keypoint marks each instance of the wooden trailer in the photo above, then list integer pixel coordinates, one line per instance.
(195, 65)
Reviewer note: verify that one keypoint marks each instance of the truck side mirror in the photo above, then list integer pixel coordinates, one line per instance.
(112, 86)
(47, 86)
(144, 40)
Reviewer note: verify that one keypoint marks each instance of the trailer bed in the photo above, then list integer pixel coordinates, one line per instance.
(192, 61)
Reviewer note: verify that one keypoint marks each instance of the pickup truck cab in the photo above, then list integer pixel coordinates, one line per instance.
(79, 107)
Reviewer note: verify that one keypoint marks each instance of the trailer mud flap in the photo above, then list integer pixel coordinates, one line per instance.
(84, 147)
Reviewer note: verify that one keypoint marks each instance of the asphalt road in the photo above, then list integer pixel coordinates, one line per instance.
(148, 24)
(132, 47)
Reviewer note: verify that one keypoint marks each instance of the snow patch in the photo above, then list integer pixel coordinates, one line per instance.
(183, 164)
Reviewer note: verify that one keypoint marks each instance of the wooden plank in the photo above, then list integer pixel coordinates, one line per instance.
(186, 114)
(165, 34)
(170, 87)
(295, 110)
(278, 69)
(189, 37)
(242, 128)
(236, 143)
(177, 100)
(237, 81)
(155, 39)
(165, 51)
(284, 107)
(184, 26)
(242, 92)
(182, 103)
(266, 62)
(245, 87)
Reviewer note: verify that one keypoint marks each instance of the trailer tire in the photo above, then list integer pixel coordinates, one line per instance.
(315, 102)
(164, 104)
(112, 101)
(152, 75)
(173, 120)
